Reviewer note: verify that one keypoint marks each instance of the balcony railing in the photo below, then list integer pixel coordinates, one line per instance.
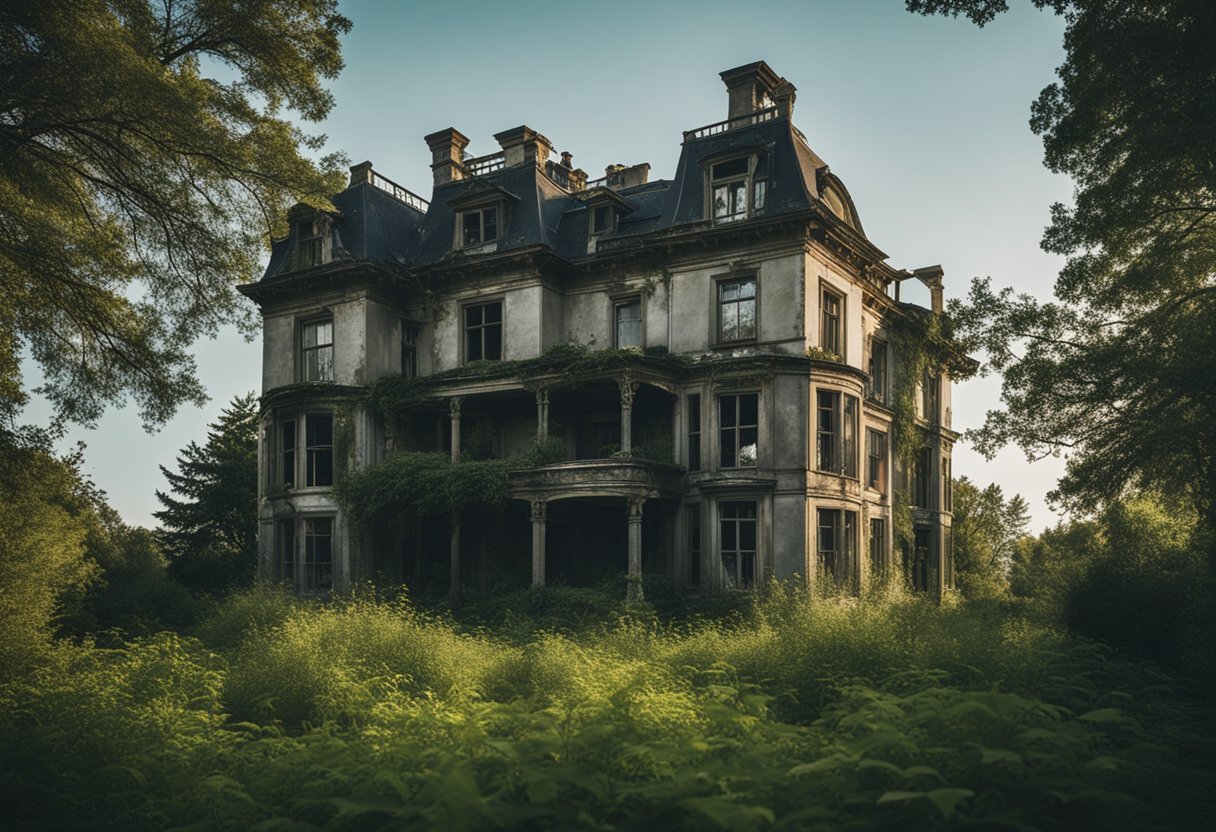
(482, 165)
(393, 189)
(735, 123)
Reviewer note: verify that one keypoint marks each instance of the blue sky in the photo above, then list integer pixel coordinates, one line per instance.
(924, 119)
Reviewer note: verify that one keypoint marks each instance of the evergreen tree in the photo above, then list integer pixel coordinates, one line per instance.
(209, 529)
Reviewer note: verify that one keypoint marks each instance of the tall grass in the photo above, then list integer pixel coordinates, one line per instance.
(803, 713)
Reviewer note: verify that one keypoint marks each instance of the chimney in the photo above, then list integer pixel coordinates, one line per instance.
(748, 87)
(447, 151)
(522, 145)
(783, 96)
(619, 176)
(360, 174)
(932, 276)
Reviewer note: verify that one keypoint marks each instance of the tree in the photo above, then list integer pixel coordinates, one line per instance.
(143, 159)
(986, 529)
(1120, 372)
(209, 531)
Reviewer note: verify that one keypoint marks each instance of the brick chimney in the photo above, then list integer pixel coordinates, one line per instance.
(447, 151)
(619, 176)
(522, 145)
(360, 174)
(748, 86)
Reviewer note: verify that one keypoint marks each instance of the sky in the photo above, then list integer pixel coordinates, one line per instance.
(924, 119)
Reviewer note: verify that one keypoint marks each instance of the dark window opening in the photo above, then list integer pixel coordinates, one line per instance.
(480, 226)
(917, 563)
(409, 350)
(878, 545)
(876, 473)
(602, 219)
(319, 449)
(837, 543)
(877, 389)
(694, 546)
(308, 244)
(737, 543)
(287, 453)
(738, 435)
(930, 389)
(483, 332)
(694, 432)
(836, 433)
(921, 497)
(830, 334)
(737, 310)
(318, 554)
(287, 552)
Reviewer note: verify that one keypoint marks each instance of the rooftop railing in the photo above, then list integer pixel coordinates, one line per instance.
(482, 165)
(746, 120)
(393, 189)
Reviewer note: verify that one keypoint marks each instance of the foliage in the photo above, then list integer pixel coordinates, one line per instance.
(986, 528)
(209, 530)
(803, 714)
(48, 512)
(144, 153)
(1119, 372)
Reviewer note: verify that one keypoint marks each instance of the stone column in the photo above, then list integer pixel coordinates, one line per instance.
(454, 404)
(628, 388)
(538, 543)
(635, 505)
(542, 414)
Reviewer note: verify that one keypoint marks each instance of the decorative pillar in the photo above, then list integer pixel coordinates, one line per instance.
(454, 404)
(635, 505)
(542, 414)
(538, 543)
(628, 388)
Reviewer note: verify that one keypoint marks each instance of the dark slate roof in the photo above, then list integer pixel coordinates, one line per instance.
(372, 224)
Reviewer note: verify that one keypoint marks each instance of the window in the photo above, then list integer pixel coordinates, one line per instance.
(628, 318)
(930, 391)
(737, 541)
(837, 542)
(876, 457)
(319, 449)
(738, 429)
(603, 219)
(409, 350)
(318, 554)
(308, 244)
(694, 432)
(948, 557)
(286, 555)
(317, 350)
(923, 478)
(917, 563)
(830, 329)
(694, 546)
(877, 389)
(483, 332)
(479, 226)
(878, 545)
(737, 309)
(731, 182)
(837, 433)
(287, 453)
(947, 486)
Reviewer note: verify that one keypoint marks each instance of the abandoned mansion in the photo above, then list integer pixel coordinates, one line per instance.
(710, 378)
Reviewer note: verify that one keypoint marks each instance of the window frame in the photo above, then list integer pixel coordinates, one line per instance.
(286, 552)
(305, 350)
(840, 558)
(310, 246)
(693, 543)
(462, 227)
(409, 348)
(877, 463)
(695, 430)
(312, 568)
(739, 580)
(736, 430)
(834, 324)
(931, 397)
(719, 283)
(876, 386)
(465, 329)
(610, 210)
(879, 557)
(922, 480)
(316, 453)
(621, 303)
(285, 464)
(836, 445)
(755, 188)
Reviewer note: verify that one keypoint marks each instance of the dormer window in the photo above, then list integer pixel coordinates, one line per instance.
(737, 188)
(603, 219)
(479, 226)
(308, 243)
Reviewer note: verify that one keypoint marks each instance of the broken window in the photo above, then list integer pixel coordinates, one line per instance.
(603, 219)
(483, 332)
(694, 432)
(837, 542)
(308, 244)
(876, 456)
(479, 226)
(737, 188)
(318, 554)
(831, 335)
(317, 350)
(738, 429)
(836, 433)
(319, 449)
(628, 315)
(737, 542)
(737, 309)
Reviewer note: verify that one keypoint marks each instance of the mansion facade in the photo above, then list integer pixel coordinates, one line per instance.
(741, 426)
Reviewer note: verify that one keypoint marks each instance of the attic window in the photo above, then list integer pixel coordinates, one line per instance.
(308, 244)
(737, 188)
(479, 226)
(603, 219)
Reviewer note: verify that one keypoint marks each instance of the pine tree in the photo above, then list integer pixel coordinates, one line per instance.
(209, 529)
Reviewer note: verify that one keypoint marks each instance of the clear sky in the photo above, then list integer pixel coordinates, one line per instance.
(924, 119)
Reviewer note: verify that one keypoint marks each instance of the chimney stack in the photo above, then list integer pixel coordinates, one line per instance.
(360, 174)
(447, 152)
(522, 145)
(748, 87)
(619, 176)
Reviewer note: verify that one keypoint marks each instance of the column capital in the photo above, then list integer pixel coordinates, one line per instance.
(636, 505)
(628, 388)
(454, 404)
(539, 507)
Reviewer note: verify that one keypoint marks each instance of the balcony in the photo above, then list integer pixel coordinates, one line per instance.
(599, 478)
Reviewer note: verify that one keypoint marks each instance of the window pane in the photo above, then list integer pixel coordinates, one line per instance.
(721, 201)
(493, 312)
(747, 320)
(728, 290)
(739, 198)
(747, 288)
(758, 200)
(726, 411)
(629, 324)
(729, 536)
(493, 342)
(749, 409)
(325, 364)
(472, 227)
(320, 430)
(747, 569)
(734, 167)
(490, 224)
(747, 535)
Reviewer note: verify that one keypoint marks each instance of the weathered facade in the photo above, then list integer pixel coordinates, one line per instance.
(739, 427)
